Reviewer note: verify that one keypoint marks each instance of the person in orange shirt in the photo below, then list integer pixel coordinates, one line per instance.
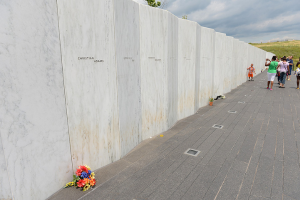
(251, 71)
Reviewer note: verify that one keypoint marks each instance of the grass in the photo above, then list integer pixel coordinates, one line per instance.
(280, 49)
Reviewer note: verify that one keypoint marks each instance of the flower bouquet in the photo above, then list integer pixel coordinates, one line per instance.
(84, 178)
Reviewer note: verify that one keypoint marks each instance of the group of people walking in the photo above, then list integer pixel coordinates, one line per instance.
(283, 69)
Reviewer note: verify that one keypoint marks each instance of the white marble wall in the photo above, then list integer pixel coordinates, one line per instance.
(235, 63)
(262, 60)
(127, 35)
(87, 34)
(197, 68)
(172, 69)
(186, 67)
(251, 58)
(33, 120)
(269, 55)
(258, 54)
(207, 50)
(229, 68)
(219, 64)
(244, 48)
(154, 82)
(256, 61)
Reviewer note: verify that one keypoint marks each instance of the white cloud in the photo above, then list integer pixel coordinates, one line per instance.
(247, 20)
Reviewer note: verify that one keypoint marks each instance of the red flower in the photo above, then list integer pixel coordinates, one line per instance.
(92, 182)
(78, 172)
(81, 183)
(83, 168)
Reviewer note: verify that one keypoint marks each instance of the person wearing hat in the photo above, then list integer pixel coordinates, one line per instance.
(284, 68)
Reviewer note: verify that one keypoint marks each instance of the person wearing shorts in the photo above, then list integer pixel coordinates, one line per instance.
(271, 71)
(251, 71)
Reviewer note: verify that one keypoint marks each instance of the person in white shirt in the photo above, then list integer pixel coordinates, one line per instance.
(284, 68)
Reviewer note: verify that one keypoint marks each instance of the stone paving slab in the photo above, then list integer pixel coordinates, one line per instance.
(254, 156)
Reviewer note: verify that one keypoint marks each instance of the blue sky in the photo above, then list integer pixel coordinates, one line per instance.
(246, 20)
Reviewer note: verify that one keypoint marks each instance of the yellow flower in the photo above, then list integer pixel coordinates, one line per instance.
(88, 167)
(92, 175)
(86, 187)
(69, 184)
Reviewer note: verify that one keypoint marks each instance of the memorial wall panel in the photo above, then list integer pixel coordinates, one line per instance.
(186, 67)
(154, 69)
(229, 67)
(207, 50)
(246, 59)
(34, 130)
(127, 35)
(251, 57)
(220, 59)
(235, 63)
(172, 66)
(87, 34)
(197, 67)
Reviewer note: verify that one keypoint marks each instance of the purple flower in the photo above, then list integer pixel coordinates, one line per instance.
(84, 175)
(89, 172)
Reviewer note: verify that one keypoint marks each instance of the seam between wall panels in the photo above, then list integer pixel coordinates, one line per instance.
(213, 63)
(195, 83)
(140, 137)
(61, 57)
(197, 64)
(140, 129)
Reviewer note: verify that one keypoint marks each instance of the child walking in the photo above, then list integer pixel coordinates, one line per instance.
(251, 71)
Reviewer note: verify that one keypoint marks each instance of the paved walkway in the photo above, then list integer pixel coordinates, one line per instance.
(254, 156)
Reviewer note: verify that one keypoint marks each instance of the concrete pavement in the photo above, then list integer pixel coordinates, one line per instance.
(254, 156)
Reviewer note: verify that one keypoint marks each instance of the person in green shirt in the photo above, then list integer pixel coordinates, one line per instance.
(271, 71)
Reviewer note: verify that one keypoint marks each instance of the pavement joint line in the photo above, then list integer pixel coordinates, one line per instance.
(209, 160)
(223, 162)
(187, 158)
(273, 173)
(257, 165)
(229, 170)
(249, 164)
(184, 159)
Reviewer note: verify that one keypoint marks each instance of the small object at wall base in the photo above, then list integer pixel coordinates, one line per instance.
(161, 135)
(211, 103)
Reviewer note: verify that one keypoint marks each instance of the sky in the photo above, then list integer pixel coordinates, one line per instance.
(247, 20)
